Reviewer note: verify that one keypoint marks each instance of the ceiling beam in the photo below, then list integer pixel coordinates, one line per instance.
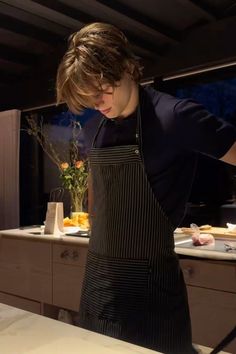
(43, 16)
(86, 18)
(154, 50)
(142, 19)
(17, 26)
(30, 12)
(67, 10)
(206, 9)
(16, 56)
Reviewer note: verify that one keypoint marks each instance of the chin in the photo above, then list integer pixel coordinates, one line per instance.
(110, 115)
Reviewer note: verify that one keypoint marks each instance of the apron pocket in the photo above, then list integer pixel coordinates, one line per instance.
(115, 288)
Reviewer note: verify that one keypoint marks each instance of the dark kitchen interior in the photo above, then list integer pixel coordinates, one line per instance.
(187, 49)
(170, 38)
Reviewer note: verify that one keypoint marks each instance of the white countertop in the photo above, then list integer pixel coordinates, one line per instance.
(184, 246)
(199, 252)
(35, 233)
(23, 332)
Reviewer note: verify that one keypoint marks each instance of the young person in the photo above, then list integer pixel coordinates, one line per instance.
(142, 160)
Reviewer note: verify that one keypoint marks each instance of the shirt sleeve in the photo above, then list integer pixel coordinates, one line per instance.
(199, 130)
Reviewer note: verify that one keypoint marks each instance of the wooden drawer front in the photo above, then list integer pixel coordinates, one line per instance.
(212, 315)
(33, 253)
(67, 285)
(73, 255)
(219, 276)
(20, 303)
(25, 269)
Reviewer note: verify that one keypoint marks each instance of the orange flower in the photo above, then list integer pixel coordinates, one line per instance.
(64, 165)
(78, 164)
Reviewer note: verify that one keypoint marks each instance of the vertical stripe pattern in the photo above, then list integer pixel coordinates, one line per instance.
(133, 288)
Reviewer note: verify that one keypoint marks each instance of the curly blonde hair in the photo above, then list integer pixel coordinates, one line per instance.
(99, 54)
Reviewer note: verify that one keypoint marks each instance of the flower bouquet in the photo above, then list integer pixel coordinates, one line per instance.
(73, 170)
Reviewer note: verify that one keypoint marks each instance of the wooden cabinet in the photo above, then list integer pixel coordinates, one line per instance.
(21, 303)
(211, 287)
(41, 276)
(68, 273)
(26, 268)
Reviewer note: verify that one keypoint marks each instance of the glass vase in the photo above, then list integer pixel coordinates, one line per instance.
(76, 201)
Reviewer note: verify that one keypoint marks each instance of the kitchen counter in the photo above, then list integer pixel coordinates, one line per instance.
(44, 273)
(36, 233)
(185, 247)
(183, 244)
(22, 332)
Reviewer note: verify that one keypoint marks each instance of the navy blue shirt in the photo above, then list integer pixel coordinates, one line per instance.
(174, 131)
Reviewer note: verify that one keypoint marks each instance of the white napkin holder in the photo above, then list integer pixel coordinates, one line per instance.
(54, 218)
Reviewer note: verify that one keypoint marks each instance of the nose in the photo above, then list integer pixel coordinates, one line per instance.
(98, 102)
(97, 105)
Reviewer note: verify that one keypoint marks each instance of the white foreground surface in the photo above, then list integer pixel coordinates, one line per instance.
(22, 332)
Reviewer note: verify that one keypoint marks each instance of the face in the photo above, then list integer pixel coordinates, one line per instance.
(118, 101)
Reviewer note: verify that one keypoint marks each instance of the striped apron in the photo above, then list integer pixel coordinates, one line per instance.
(133, 288)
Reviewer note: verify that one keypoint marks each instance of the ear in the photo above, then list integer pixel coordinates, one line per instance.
(129, 67)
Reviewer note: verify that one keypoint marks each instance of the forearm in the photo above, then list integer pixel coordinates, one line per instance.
(230, 156)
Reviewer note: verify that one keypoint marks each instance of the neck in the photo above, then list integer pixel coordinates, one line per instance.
(133, 101)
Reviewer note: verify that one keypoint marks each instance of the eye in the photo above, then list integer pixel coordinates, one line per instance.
(97, 95)
(107, 89)
(108, 92)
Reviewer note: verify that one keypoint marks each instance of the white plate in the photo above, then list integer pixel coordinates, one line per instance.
(71, 229)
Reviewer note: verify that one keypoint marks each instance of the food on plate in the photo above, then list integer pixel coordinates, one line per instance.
(202, 239)
(205, 227)
(80, 219)
(189, 230)
(67, 222)
(186, 230)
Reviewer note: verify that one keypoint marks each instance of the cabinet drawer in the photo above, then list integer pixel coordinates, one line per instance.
(71, 255)
(219, 276)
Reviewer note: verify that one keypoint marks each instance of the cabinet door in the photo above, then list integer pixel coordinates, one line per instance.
(67, 285)
(68, 273)
(26, 268)
(213, 316)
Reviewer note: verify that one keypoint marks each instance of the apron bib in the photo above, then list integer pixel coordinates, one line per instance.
(133, 288)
